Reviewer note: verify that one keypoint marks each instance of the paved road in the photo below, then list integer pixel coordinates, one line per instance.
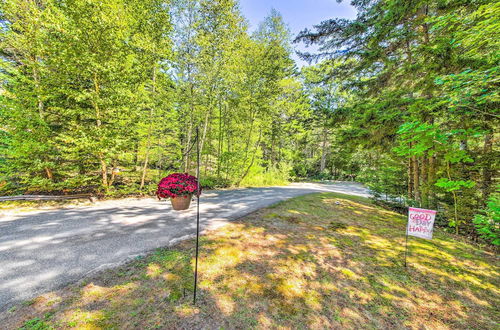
(44, 250)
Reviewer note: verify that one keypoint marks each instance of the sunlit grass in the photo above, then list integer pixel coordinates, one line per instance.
(317, 261)
(257, 177)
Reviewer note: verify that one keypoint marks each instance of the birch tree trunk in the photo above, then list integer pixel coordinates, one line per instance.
(221, 138)
(323, 149)
(252, 161)
(41, 107)
(150, 130)
(104, 167)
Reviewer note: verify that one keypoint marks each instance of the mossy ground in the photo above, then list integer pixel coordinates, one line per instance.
(318, 261)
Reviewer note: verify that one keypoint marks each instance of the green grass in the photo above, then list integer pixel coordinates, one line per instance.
(304, 263)
(257, 177)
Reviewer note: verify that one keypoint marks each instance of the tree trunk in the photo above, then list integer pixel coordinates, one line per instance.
(425, 26)
(36, 79)
(221, 138)
(144, 168)
(104, 171)
(464, 146)
(104, 167)
(113, 174)
(150, 130)
(455, 199)
(455, 211)
(228, 143)
(41, 112)
(204, 134)
(410, 177)
(416, 179)
(487, 167)
(136, 154)
(249, 138)
(48, 171)
(159, 167)
(423, 181)
(209, 143)
(280, 144)
(323, 149)
(251, 163)
(431, 180)
(187, 162)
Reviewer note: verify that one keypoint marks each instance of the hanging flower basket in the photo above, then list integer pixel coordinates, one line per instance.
(181, 203)
(180, 188)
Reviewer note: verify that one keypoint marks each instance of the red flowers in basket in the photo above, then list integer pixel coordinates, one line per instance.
(177, 185)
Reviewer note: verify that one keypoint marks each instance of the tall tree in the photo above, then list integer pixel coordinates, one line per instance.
(415, 73)
(29, 150)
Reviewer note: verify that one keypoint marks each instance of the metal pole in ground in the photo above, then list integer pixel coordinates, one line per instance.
(197, 213)
(406, 242)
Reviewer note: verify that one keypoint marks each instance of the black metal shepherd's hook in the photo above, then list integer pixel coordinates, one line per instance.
(197, 213)
(406, 245)
(406, 240)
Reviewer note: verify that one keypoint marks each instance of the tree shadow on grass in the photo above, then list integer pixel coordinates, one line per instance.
(288, 267)
(304, 278)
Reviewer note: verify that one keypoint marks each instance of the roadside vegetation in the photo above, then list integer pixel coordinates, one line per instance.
(403, 98)
(319, 261)
(26, 206)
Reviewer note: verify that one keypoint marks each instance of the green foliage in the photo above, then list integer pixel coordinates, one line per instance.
(405, 98)
(259, 177)
(213, 182)
(101, 111)
(36, 324)
(416, 138)
(422, 80)
(91, 90)
(488, 223)
(386, 181)
(450, 185)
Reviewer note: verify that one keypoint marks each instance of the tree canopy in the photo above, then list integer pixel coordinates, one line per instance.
(423, 76)
(107, 97)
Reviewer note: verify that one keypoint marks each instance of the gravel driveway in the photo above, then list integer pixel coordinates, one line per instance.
(44, 250)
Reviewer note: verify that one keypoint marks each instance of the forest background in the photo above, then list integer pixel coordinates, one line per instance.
(106, 97)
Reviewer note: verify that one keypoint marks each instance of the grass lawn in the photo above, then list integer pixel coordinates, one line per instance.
(305, 263)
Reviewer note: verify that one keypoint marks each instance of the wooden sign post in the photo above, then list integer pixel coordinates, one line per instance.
(420, 224)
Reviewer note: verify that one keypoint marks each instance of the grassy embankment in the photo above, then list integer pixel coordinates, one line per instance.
(307, 262)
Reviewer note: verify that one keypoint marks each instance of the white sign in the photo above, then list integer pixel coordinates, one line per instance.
(420, 222)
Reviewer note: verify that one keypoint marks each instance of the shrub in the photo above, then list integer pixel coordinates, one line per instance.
(323, 176)
(488, 224)
(213, 182)
(260, 177)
